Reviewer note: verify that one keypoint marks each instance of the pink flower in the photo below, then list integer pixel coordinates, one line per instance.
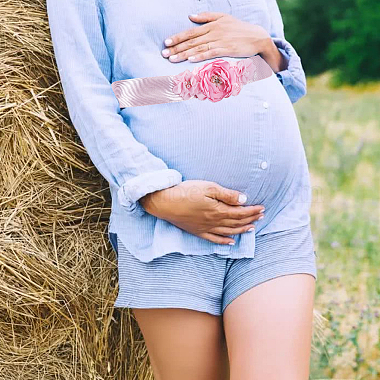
(186, 84)
(245, 70)
(217, 80)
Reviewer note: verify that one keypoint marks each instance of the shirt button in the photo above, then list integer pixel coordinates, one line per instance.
(265, 104)
(264, 165)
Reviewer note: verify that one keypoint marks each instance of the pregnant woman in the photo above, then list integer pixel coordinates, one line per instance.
(200, 139)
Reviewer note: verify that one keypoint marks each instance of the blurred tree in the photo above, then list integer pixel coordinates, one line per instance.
(307, 28)
(355, 49)
(339, 34)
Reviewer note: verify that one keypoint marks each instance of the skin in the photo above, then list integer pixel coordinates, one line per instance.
(203, 208)
(264, 333)
(223, 35)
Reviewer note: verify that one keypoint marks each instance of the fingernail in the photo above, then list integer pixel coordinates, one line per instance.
(231, 243)
(168, 41)
(165, 52)
(262, 210)
(191, 58)
(193, 15)
(261, 217)
(173, 56)
(251, 229)
(242, 198)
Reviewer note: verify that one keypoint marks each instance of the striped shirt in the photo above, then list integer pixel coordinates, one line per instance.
(250, 142)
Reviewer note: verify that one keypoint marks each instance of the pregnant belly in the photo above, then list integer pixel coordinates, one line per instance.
(250, 142)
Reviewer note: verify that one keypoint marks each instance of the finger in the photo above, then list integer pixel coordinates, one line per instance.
(198, 54)
(193, 43)
(208, 54)
(240, 222)
(228, 196)
(187, 48)
(206, 16)
(226, 231)
(214, 238)
(186, 35)
(238, 212)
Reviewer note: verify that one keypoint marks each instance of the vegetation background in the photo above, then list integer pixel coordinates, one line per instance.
(339, 35)
(339, 44)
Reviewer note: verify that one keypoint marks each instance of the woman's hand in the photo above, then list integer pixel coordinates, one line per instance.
(203, 208)
(222, 35)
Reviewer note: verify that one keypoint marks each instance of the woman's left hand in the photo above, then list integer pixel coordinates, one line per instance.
(221, 35)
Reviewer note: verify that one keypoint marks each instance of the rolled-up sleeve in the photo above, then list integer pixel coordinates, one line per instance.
(85, 71)
(293, 77)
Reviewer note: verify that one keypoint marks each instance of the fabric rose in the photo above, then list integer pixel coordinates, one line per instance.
(217, 80)
(185, 84)
(245, 70)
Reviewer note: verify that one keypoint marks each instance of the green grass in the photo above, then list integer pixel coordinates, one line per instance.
(341, 133)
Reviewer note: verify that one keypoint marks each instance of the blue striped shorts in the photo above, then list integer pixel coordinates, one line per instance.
(208, 283)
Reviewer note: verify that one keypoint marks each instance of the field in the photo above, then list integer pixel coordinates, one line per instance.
(341, 132)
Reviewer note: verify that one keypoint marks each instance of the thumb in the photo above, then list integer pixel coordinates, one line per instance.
(229, 196)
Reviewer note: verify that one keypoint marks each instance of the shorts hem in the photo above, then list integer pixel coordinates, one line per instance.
(264, 277)
(167, 300)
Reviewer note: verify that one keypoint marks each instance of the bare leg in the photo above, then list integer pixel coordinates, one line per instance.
(269, 329)
(184, 344)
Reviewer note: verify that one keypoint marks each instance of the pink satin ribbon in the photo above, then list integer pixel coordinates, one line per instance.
(156, 90)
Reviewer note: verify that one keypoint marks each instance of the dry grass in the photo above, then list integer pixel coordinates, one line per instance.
(58, 274)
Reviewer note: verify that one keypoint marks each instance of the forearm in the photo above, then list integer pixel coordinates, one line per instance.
(275, 59)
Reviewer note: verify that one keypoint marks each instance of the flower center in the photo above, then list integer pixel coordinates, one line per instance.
(188, 84)
(216, 79)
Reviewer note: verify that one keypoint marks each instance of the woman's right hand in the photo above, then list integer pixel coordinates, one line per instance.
(203, 208)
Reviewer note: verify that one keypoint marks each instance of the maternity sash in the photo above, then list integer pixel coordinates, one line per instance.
(214, 81)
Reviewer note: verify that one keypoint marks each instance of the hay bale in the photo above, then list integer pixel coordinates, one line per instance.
(58, 273)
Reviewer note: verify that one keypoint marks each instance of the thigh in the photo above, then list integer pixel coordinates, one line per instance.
(184, 344)
(268, 307)
(177, 302)
(269, 329)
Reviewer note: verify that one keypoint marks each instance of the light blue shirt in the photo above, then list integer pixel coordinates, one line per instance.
(250, 142)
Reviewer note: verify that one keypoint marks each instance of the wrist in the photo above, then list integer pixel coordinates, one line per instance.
(144, 201)
(273, 57)
(149, 203)
(268, 47)
(157, 203)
